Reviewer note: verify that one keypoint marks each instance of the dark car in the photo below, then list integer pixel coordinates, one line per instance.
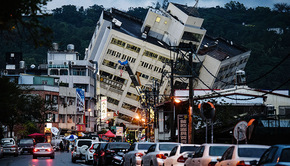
(113, 148)
(276, 155)
(99, 155)
(26, 145)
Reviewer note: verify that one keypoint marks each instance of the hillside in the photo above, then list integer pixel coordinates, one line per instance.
(267, 66)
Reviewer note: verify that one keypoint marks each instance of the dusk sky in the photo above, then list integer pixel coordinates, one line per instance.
(125, 4)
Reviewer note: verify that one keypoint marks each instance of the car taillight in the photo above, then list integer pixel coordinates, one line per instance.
(35, 150)
(103, 153)
(139, 154)
(242, 163)
(76, 148)
(181, 159)
(161, 156)
(110, 151)
(91, 148)
(13, 147)
(48, 149)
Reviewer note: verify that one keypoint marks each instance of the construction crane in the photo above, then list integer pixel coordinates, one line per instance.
(134, 80)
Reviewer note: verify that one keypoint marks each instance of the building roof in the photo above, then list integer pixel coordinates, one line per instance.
(131, 26)
(189, 10)
(220, 48)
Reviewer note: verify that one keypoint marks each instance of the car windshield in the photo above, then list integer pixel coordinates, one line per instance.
(217, 150)
(81, 143)
(43, 145)
(119, 145)
(188, 149)
(285, 155)
(7, 142)
(251, 152)
(26, 141)
(144, 146)
(167, 147)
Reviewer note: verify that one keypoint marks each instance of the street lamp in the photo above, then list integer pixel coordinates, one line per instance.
(89, 118)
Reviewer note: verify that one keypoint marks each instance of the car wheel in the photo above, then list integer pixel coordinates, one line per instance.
(73, 160)
(52, 157)
(34, 157)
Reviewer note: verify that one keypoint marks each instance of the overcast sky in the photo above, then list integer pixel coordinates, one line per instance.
(125, 4)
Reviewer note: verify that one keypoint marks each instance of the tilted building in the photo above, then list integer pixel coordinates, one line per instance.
(145, 45)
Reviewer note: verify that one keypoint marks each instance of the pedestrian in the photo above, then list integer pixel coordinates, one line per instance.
(67, 146)
(61, 146)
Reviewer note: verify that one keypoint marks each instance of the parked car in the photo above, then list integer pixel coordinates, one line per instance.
(276, 155)
(9, 146)
(241, 155)
(136, 152)
(80, 148)
(112, 148)
(156, 153)
(179, 154)
(206, 154)
(99, 155)
(1, 151)
(27, 145)
(90, 153)
(43, 150)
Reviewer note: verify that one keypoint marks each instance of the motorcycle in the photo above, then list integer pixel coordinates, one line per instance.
(118, 158)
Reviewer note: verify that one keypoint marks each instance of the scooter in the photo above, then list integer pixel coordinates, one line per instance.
(118, 158)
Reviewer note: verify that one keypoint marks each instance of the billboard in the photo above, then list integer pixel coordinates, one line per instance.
(80, 95)
(103, 107)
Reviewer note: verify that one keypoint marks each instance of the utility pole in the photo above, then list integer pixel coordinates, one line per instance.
(172, 102)
(190, 126)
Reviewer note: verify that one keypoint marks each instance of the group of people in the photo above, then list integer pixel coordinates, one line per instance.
(64, 146)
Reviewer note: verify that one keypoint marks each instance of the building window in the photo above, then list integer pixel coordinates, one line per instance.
(53, 72)
(110, 64)
(192, 36)
(63, 72)
(79, 72)
(133, 48)
(163, 59)
(47, 98)
(44, 82)
(128, 106)
(113, 101)
(105, 74)
(150, 54)
(55, 99)
(157, 19)
(118, 42)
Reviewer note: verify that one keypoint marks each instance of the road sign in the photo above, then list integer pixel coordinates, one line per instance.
(240, 131)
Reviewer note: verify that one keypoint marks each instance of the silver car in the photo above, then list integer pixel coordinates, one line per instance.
(156, 153)
(136, 152)
(43, 150)
(9, 146)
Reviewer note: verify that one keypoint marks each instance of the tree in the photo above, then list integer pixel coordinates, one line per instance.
(22, 18)
(233, 5)
(18, 107)
(281, 7)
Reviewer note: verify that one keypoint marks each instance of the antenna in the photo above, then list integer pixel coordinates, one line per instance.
(240, 131)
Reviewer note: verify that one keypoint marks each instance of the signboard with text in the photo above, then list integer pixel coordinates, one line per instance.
(80, 127)
(119, 131)
(80, 99)
(182, 125)
(103, 107)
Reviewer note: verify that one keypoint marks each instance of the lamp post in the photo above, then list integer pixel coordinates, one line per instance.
(138, 118)
(89, 118)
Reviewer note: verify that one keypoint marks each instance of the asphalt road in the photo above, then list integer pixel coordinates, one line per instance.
(61, 159)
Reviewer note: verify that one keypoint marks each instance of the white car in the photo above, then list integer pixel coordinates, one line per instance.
(80, 149)
(179, 154)
(206, 154)
(242, 155)
(136, 152)
(89, 156)
(156, 153)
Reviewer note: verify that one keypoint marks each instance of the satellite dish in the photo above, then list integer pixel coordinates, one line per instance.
(32, 66)
(240, 131)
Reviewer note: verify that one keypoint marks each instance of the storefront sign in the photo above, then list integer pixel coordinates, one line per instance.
(103, 107)
(81, 127)
(182, 124)
(80, 98)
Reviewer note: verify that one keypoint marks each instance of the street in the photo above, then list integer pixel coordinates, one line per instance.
(61, 158)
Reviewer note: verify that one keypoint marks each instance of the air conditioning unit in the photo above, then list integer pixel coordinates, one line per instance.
(65, 63)
(283, 110)
(73, 63)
